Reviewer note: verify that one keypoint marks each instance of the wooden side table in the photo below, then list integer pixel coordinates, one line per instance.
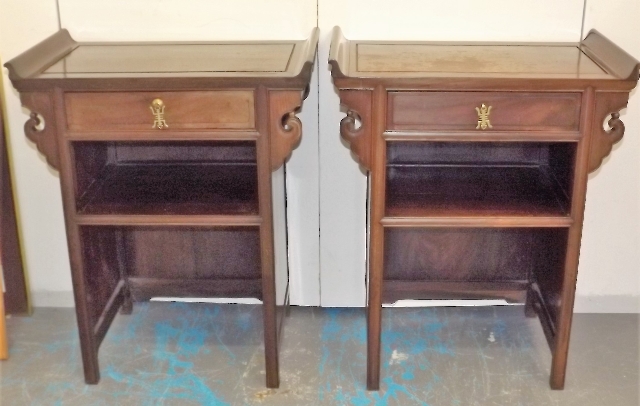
(166, 153)
(479, 156)
(15, 295)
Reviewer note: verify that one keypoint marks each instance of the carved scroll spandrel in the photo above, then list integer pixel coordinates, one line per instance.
(602, 140)
(40, 127)
(358, 105)
(286, 128)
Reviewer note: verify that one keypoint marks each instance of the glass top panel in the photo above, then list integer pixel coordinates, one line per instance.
(520, 60)
(169, 58)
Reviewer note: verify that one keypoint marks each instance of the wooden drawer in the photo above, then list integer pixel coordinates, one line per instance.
(457, 111)
(119, 111)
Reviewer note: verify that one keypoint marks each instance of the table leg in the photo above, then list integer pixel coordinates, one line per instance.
(376, 240)
(266, 245)
(529, 308)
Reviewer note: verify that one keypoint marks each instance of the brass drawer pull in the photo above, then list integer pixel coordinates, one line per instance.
(483, 117)
(157, 109)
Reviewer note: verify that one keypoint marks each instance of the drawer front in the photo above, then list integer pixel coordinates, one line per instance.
(464, 111)
(158, 111)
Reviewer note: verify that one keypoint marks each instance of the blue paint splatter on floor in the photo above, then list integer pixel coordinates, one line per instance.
(196, 354)
(407, 343)
(156, 362)
(177, 345)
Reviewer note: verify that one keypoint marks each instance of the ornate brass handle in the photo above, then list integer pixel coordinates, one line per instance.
(483, 117)
(157, 109)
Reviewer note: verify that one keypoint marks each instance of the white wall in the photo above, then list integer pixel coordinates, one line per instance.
(38, 198)
(170, 20)
(609, 273)
(326, 188)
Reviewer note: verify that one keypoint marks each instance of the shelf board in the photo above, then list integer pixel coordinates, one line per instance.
(482, 195)
(511, 291)
(498, 222)
(170, 189)
(475, 136)
(164, 135)
(168, 220)
(143, 289)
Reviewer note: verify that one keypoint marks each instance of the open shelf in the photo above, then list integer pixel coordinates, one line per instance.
(464, 263)
(458, 191)
(171, 261)
(463, 179)
(166, 178)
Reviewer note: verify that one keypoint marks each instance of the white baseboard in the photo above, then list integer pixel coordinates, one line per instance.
(449, 303)
(52, 299)
(583, 304)
(607, 304)
(234, 300)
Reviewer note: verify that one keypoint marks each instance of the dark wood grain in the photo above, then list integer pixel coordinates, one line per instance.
(265, 164)
(469, 153)
(115, 302)
(376, 237)
(168, 134)
(541, 309)
(470, 220)
(483, 136)
(476, 66)
(192, 152)
(510, 291)
(472, 191)
(567, 286)
(469, 254)
(445, 111)
(169, 220)
(127, 301)
(478, 179)
(143, 289)
(182, 253)
(183, 210)
(39, 57)
(612, 57)
(356, 127)
(166, 178)
(548, 272)
(101, 268)
(284, 133)
(183, 67)
(608, 106)
(40, 128)
(480, 213)
(15, 285)
(85, 310)
(173, 189)
(121, 111)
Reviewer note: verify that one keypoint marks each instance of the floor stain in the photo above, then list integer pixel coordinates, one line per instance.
(209, 354)
(397, 357)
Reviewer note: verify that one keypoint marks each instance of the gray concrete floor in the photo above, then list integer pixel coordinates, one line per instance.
(208, 354)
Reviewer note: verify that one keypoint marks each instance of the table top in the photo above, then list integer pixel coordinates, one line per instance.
(372, 59)
(133, 60)
(595, 58)
(62, 61)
